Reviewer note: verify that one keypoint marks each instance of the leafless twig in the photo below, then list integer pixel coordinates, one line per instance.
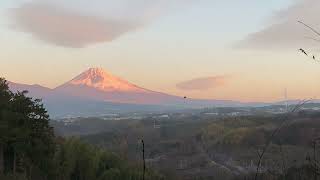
(309, 27)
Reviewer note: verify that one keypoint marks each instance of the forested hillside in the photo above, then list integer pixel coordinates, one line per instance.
(197, 146)
(29, 150)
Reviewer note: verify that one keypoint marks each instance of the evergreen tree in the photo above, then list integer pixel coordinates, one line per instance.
(26, 139)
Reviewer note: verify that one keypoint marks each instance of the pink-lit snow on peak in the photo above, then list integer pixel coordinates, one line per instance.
(102, 80)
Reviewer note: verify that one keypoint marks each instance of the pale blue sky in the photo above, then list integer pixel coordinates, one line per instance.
(171, 42)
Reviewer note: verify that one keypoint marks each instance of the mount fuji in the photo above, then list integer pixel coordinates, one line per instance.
(96, 91)
(97, 84)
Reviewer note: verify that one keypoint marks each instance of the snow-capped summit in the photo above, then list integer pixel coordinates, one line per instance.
(102, 80)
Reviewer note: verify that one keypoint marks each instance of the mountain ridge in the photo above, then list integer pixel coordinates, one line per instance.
(34, 90)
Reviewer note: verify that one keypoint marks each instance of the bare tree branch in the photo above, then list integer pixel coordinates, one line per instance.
(275, 132)
(309, 27)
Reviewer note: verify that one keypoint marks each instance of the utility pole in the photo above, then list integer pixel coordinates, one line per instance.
(144, 160)
(286, 99)
(315, 160)
(155, 125)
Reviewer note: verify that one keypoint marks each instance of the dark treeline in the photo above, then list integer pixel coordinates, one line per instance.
(29, 149)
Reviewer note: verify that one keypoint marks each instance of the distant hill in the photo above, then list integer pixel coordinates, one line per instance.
(34, 90)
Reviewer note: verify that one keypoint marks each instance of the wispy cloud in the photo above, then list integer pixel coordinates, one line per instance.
(60, 27)
(82, 23)
(203, 83)
(285, 31)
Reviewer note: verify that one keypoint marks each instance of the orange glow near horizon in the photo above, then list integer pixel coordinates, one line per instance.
(163, 51)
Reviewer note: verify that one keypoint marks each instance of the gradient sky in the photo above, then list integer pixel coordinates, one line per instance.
(219, 49)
